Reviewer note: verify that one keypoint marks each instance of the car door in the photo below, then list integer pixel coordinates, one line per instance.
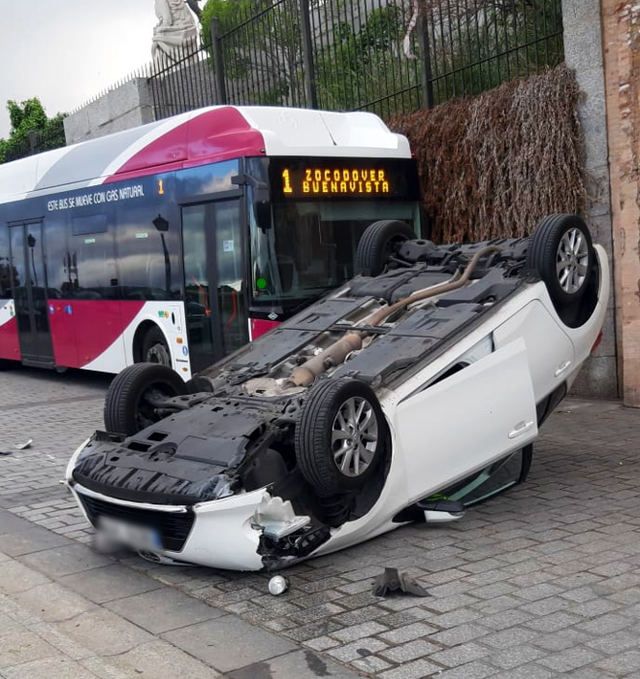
(549, 350)
(466, 421)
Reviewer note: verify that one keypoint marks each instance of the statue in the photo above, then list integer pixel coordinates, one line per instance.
(194, 6)
(176, 27)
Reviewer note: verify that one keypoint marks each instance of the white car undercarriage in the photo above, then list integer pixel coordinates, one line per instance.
(411, 393)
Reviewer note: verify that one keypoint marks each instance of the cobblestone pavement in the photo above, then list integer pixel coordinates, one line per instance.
(542, 581)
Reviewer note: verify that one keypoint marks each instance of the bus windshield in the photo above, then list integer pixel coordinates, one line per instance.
(310, 248)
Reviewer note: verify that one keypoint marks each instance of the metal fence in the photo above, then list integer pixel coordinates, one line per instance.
(183, 81)
(386, 56)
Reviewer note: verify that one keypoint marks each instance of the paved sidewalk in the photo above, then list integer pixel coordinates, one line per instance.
(542, 581)
(66, 611)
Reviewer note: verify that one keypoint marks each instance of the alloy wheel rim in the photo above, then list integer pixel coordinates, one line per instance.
(354, 436)
(572, 261)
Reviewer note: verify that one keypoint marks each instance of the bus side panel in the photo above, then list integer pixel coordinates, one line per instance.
(63, 333)
(169, 316)
(112, 357)
(89, 334)
(9, 343)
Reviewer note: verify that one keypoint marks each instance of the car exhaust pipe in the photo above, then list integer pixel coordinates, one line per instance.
(453, 283)
(305, 374)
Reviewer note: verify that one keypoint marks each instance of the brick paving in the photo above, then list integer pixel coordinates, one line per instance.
(542, 581)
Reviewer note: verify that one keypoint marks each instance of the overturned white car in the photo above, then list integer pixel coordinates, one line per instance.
(411, 392)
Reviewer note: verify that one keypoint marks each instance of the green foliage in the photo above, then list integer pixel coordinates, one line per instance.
(261, 44)
(364, 63)
(498, 41)
(360, 49)
(226, 11)
(31, 130)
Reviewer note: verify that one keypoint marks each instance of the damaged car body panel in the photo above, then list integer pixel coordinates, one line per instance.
(426, 381)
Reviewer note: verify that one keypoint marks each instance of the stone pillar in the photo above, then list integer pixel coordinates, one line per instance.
(123, 107)
(583, 53)
(621, 26)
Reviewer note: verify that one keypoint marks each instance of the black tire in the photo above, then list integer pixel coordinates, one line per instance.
(378, 242)
(544, 255)
(313, 437)
(198, 384)
(6, 364)
(155, 348)
(126, 410)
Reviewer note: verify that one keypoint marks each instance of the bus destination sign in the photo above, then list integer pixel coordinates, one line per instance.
(338, 178)
(327, 181)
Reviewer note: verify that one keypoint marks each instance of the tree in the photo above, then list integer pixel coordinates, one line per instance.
(31, 130)
(361, 62)
(263, 52)
(262, 49)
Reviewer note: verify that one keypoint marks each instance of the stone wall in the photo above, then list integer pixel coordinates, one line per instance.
(122, 108)
(583, 53)
(621, 26)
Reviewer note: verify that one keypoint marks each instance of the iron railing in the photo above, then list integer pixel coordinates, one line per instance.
(183, 81)
(387, 56)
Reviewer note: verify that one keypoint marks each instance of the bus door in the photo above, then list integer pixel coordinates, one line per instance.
(30, 294)
(215, 280)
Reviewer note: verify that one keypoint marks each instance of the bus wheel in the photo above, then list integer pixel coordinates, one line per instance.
(155, 349)
(134, 395)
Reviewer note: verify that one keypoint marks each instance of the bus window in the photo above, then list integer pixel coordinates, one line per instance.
(147, 254)
(230, 273)
(84, 226)
(91, 268)
(311, 247)
(59, 273)
(207, 180)
(196, 285)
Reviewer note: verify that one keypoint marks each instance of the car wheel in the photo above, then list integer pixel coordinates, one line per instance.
(130, 403)
(378, 243)
(7, 365)
(198, 384)
(341, 436)
(155, 349)
(562, 254)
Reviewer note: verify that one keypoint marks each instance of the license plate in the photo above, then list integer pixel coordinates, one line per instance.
(128, 534)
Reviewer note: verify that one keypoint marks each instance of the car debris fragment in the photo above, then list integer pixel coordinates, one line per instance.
(392, 581)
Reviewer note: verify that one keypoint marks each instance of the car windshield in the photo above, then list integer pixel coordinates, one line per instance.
(310, 248)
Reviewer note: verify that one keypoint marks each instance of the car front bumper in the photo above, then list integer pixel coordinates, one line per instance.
(217, 534)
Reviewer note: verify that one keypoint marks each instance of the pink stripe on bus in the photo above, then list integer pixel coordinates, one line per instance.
(9, 343)
(82, 330)
(260, 326)
(221, 134)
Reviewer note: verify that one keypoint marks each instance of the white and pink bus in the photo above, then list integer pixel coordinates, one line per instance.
(179, 241)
